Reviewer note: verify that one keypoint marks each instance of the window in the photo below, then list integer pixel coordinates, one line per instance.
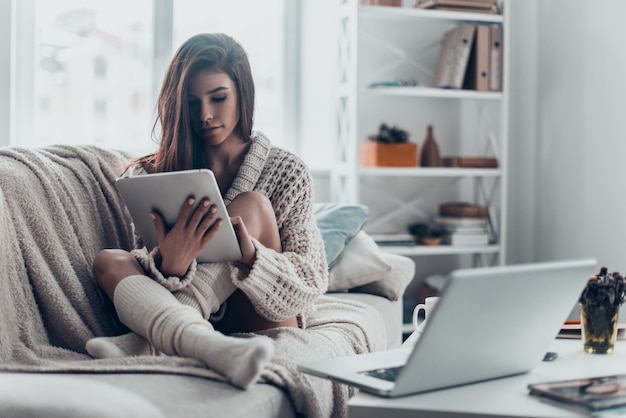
(100, 67)
(261, 37)
(98, 64)
(90, 65)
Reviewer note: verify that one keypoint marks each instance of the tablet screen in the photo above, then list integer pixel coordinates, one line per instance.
(166, 193)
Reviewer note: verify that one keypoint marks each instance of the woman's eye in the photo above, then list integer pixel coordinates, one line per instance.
(218, 99)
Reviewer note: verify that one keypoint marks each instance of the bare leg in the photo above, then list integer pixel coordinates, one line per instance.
(260, 221)
(110, 268)
(152, 312)
(258, 215)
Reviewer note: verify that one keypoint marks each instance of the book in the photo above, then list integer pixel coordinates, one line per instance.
(463, 209)
(393, 239)
(594, 394)
(470, 162)
(460, 221)
(572, 330)
(465, 229)
(467, 10)
(486, 5)
(443, 76)
(495, 57)
(466, 239)
(465, 39)
(479, 66)
(454, 56)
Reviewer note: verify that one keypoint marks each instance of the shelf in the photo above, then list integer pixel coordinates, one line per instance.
(411, 13)
(382, 43)
(434, 93)
(417, 250)
(430, 172)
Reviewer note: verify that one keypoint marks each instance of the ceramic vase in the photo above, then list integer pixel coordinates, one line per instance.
(429, 156)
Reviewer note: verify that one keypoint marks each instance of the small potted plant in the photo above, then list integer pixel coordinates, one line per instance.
(426, 233)
(599, 306)
(390, 146)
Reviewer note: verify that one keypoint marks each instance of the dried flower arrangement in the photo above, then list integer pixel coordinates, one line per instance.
(599, 306)
(604, 290)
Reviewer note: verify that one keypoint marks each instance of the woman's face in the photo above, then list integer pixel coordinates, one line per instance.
(212, 99)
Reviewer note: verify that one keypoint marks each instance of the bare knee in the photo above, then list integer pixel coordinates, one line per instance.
(110, 266)
(258, 215)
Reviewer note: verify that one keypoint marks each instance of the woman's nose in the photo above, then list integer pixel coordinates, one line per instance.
(206, 113)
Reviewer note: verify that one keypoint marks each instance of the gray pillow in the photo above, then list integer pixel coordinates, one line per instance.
(338, 224)
(360, 263)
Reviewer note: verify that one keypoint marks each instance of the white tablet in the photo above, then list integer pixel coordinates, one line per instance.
(166, 193)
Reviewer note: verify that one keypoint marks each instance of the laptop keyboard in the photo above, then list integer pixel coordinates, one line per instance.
(389, 373)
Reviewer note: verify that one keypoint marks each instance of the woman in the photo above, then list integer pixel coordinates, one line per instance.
(205, 113)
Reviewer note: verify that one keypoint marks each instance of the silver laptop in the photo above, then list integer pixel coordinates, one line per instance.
(490, 322)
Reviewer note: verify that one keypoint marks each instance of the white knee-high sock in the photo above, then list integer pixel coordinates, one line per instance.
(210, 288)
(126, 345)
(154, 313)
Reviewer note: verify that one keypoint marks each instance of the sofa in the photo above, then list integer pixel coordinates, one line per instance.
(59, 207)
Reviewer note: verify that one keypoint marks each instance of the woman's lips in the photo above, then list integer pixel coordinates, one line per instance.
(208, 131)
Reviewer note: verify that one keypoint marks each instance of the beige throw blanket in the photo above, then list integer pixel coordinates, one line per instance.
(58, 208)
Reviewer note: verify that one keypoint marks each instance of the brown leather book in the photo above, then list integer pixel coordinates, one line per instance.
(479, 6)
(470, 162)
(462, 209)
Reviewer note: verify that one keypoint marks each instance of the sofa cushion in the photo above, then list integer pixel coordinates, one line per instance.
(391, 284)
(50, 396)
(391, 312)
(360, 263)
(338, 224)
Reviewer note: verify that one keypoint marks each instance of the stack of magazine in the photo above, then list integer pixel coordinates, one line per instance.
(464, 223)
(464, 231)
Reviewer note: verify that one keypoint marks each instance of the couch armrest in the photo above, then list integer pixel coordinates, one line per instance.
(390, 310)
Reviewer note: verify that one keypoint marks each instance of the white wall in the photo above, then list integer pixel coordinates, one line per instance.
(319, 80)
(568, 110)
(522, 127)
(5, 71)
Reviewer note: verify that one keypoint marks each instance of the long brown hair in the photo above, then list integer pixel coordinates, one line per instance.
(178, 150)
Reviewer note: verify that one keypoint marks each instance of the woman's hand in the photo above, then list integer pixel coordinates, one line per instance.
(248, 250)
(187, 238)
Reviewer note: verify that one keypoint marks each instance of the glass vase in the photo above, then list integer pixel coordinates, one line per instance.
(599, 328)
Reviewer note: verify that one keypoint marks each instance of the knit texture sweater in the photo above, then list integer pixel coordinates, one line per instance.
(280, 285)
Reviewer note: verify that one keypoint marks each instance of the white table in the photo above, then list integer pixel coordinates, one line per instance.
(507, 397)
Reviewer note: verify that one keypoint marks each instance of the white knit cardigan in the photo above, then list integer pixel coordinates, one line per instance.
(279, 285)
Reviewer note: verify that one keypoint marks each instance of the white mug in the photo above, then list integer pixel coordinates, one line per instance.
(429, 304)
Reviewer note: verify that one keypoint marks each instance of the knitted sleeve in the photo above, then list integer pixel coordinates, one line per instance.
(283, 285)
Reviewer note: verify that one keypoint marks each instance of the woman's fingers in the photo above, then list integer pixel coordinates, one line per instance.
(185, 210)
(198, 220)
(203, 217)
(248, 251)
(159, 226)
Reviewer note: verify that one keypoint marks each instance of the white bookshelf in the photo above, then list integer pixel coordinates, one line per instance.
(378, 43)
(433, 93)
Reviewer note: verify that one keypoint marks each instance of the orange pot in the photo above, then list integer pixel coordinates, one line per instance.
(375, 154)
